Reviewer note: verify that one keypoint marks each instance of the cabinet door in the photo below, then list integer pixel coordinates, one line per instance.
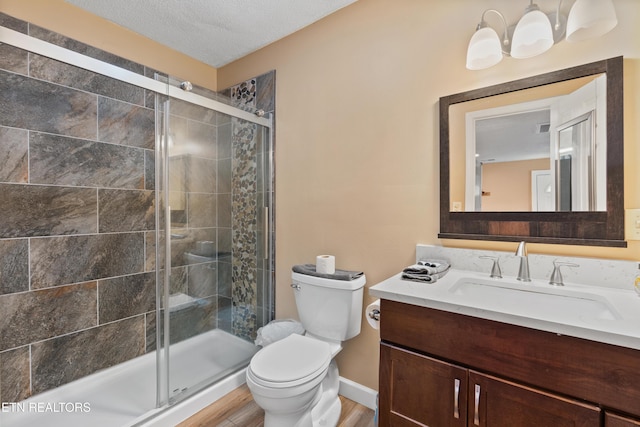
(497, 403)
(613, 420)
(416, 390)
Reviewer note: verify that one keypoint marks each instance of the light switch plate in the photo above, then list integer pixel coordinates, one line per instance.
(632, 224)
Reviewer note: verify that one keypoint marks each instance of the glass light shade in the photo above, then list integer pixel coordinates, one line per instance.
(532, 36)
(484, 49)
(590, 18)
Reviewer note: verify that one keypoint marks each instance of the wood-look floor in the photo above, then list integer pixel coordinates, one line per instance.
(237, 409)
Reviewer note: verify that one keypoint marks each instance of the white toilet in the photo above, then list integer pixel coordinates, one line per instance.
(295, 380)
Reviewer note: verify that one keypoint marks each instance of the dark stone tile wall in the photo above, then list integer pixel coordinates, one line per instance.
(140, 213)
(127, 296)
(14, 265)
(14, 148)
(125, 124)
(78, 233)
(28, 317)
(30, 210)
(77, 175)
(38, 105)
(61, 160)
(85, 352)
(12, 58)
(56, 261)
(15, 373)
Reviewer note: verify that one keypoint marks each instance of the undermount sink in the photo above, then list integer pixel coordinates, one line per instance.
(535, 300)
(599, 313)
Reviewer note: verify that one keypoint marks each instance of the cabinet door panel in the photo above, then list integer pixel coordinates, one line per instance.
(416, 390)
(613, 420)
(505, 404)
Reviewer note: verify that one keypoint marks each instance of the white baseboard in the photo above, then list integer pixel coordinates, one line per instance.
(358, 393)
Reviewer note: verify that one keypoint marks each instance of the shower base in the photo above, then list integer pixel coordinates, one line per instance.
(125, 394)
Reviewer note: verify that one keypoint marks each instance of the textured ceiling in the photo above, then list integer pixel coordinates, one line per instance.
(215, 32)
(513, 137)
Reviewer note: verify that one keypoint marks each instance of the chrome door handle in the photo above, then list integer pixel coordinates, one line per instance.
(265, 219)
(456, 398)
(476, 403)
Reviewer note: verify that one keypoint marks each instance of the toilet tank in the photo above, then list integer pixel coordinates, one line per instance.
(330, 309)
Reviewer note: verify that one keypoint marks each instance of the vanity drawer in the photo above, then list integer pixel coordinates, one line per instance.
(614, 420)
(601, 373)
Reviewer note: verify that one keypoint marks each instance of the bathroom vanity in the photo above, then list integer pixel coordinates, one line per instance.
(470, 350)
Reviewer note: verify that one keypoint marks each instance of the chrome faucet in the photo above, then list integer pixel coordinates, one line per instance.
(523, 272)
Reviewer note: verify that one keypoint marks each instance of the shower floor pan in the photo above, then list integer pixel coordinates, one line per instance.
(123, 394)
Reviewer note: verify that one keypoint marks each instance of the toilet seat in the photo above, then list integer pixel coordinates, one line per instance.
(290, 362)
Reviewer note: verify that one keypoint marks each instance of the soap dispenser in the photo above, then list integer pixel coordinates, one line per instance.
(636, 282)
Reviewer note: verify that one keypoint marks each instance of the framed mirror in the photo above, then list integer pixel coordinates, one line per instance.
(538, 159)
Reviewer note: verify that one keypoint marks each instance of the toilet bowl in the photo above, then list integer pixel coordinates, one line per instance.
(296, 379)
(285, 379)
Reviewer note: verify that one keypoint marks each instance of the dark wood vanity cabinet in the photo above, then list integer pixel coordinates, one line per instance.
(442, 369)
(614, 420)
(494, 402)
(420, 391)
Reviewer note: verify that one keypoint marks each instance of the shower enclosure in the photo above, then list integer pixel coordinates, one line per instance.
(138, 234)
(213, 181)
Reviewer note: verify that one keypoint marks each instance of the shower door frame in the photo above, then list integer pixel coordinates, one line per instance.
(167, 393)
(58, 53)
(76, 59)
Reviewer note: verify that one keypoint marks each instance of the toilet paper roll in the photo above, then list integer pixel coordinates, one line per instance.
(373, 314)
(326, 264)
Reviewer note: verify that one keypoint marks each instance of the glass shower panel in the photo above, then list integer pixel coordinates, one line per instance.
(218, 204)
(107, 147)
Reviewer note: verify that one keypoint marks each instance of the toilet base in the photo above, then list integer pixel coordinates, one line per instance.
(327, 412)
(330, 417)
(324, 410)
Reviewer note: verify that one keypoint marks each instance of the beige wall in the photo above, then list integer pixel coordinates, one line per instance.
(508, 184)
(357, 134)
(71, 21)
(357, 127)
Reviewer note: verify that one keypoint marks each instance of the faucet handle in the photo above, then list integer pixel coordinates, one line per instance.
(495, 269)
(556, 275)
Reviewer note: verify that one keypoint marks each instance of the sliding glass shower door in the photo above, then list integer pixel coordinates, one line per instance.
(95, 148)
(214, 194)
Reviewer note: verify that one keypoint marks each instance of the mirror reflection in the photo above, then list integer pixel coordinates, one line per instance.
(540, 149)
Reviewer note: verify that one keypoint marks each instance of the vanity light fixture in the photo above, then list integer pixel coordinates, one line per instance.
(533, 34)
(590, 18)
(536, 31)
(485, 48)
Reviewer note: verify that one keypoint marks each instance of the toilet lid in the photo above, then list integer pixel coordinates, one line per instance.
(290, 359)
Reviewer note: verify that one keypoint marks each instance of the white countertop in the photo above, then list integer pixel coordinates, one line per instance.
(595, 313)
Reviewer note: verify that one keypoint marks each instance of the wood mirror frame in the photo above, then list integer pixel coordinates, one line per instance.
(595, 228)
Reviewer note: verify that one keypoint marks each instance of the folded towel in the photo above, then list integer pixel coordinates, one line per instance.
(419, 277)
(428, 267)
(426, 271)
(310, 270)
